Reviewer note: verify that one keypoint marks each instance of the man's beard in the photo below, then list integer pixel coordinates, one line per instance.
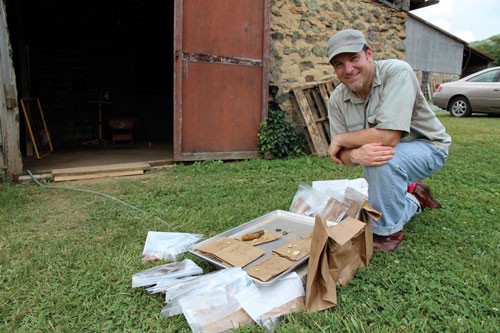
(356, 87)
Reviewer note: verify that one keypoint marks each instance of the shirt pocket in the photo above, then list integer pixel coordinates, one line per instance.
(355, 125)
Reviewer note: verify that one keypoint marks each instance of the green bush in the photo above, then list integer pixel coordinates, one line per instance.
(278, 138)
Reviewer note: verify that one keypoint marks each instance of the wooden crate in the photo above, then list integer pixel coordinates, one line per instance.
(312, 101)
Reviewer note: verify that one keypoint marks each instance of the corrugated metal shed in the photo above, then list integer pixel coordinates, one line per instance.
(430, 49)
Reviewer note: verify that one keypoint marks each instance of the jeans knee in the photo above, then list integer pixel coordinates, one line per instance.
(387, 170)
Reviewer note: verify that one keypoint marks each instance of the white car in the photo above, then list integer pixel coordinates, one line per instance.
(479, 92)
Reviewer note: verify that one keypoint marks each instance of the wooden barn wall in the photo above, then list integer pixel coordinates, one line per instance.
(427, 49)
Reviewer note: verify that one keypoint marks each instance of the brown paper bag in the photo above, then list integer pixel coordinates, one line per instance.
(365, 240)
(334, 258)
(347, 250)
(321, 290)
(361, 210)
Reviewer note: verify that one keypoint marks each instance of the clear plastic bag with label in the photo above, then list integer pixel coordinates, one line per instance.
(170, 271)
(203, 285)
(167, 245)
(307, 201)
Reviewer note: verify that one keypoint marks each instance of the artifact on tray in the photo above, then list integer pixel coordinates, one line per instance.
(231, 251)
(252, 235)
(269, 268)
(264, 237)
(295, 250)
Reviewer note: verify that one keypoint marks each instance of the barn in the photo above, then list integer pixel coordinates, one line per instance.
(165, 81)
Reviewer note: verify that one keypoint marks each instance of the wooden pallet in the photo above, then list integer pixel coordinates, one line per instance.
(312, 101)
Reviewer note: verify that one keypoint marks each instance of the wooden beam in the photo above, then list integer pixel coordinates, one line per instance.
(10, 155)
(98, 175)
(111, 168)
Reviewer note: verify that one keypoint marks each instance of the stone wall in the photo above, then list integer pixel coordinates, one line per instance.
(300, 30)
(435, 79)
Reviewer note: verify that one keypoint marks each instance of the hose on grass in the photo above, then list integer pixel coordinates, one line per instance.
(97, 193)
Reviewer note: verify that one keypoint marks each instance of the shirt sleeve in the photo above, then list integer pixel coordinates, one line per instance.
(399, 88)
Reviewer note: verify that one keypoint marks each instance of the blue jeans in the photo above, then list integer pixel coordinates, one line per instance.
(387, 184)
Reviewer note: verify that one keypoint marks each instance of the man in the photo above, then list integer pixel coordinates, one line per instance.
(380, 119)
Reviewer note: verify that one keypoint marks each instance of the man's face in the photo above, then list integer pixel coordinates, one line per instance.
(355, 70)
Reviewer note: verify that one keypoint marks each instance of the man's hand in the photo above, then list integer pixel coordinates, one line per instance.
(372, 154)
(333, 151)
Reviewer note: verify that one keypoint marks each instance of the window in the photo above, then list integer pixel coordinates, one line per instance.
(485, 77)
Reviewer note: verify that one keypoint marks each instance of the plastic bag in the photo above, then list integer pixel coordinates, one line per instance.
(202, 286)
(266, 304)
(324, 201)
(173, 270)
(307, 201)
(339, 186)
(167, 245)
(163, 285)
(217, 309)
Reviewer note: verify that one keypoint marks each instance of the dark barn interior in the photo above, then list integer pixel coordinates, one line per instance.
(95, 66)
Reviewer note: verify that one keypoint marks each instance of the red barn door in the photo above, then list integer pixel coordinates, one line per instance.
(220, 77)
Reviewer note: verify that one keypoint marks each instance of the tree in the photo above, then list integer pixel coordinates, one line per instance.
(490, 46)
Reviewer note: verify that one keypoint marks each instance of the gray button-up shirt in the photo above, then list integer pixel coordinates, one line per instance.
(395, 102)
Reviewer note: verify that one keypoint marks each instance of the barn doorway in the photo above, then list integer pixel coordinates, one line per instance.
(95, 65)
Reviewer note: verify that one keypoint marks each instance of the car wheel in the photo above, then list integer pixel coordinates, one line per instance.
(459, 107)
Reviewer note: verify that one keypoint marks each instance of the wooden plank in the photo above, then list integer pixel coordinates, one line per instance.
(37, 128)
(102, 169)
(318, 144)
(98, 175)
(25, 179)
(235, 155)
(323, 121)
(319, 113)
(320, 105)
(325, 93)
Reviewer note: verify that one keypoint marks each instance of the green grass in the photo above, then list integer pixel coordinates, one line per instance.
(67, 257)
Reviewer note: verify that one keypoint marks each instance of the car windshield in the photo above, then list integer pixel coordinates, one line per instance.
(485, 77)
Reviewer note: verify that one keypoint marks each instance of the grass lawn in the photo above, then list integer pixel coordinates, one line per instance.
(67, 257)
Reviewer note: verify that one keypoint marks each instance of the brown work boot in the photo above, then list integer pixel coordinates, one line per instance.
(387, 243)
(424, 196)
